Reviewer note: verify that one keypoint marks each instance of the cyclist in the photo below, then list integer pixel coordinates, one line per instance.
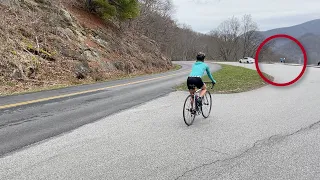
(195, 77)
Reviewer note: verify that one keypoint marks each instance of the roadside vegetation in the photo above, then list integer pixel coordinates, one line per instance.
(177, 67)
(233, 79)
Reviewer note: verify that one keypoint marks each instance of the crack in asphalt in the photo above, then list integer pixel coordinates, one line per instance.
(216, 151)
(42, 115)
(24, 120)
(265, 141)
(216, 161)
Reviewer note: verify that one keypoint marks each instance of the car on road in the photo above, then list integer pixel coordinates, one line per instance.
(246, 60)
(319, 63)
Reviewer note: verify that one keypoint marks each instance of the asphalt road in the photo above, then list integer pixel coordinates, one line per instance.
(268, 133)
(62, 110)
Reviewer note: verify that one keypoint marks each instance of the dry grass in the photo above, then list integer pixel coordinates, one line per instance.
(13, 89)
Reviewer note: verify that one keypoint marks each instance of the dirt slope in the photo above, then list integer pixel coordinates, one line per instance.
(55, 43)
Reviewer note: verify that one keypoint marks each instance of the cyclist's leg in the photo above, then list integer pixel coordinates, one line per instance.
(191, 86)
(201, 85)
(192, 91)
(204, 90)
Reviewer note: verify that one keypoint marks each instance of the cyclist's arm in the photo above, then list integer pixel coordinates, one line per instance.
(209, 74)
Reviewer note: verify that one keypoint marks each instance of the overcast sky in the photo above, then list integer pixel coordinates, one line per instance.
(205, 15)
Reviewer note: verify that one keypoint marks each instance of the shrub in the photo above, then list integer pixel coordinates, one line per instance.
(120, 9)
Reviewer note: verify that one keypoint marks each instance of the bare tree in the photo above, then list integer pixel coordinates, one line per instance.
(227, 36)
(250, 36)
(156, 23)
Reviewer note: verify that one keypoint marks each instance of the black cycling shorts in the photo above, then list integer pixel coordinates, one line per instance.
(193, 82)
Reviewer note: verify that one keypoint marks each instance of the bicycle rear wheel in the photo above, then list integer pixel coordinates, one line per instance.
(188, 115)
(206, 104)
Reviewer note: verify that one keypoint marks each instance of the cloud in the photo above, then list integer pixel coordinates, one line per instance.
(205, 15)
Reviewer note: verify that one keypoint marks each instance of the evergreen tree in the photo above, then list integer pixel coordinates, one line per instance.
(120, 9)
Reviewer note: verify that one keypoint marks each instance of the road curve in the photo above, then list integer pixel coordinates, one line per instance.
(268, 133)
(30, 118)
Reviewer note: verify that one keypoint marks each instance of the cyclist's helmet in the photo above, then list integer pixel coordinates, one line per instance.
(200, 56)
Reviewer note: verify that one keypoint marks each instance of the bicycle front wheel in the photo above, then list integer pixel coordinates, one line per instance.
(206, 104)
(188, 111)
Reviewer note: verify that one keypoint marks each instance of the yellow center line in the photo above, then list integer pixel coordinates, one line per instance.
(82, 92)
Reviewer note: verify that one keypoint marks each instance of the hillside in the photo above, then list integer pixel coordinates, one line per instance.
(58, 43)
(307, 33)
(292, 51)
(295, 31)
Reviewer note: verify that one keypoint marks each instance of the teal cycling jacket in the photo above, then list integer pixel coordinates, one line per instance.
(198, 69)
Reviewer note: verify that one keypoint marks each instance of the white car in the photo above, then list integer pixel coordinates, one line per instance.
(246, 60)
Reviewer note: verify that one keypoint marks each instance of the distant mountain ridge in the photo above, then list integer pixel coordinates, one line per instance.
(296, 31)
(307, 33)
(311, 43)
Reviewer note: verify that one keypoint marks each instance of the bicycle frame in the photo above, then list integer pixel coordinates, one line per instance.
(196, 110)
(194, 95)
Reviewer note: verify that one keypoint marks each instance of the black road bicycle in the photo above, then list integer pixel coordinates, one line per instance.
(192, 107)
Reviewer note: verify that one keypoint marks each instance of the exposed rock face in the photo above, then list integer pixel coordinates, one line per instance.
(56, 43)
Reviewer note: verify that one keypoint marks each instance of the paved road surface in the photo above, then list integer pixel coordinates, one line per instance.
(268, 133)
(23, 125)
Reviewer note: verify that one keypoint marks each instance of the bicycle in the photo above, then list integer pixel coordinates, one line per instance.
(196, 108)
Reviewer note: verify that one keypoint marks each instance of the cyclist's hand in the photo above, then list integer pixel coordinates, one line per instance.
(213, 83)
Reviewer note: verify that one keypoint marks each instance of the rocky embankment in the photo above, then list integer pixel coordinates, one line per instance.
(57, 43)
